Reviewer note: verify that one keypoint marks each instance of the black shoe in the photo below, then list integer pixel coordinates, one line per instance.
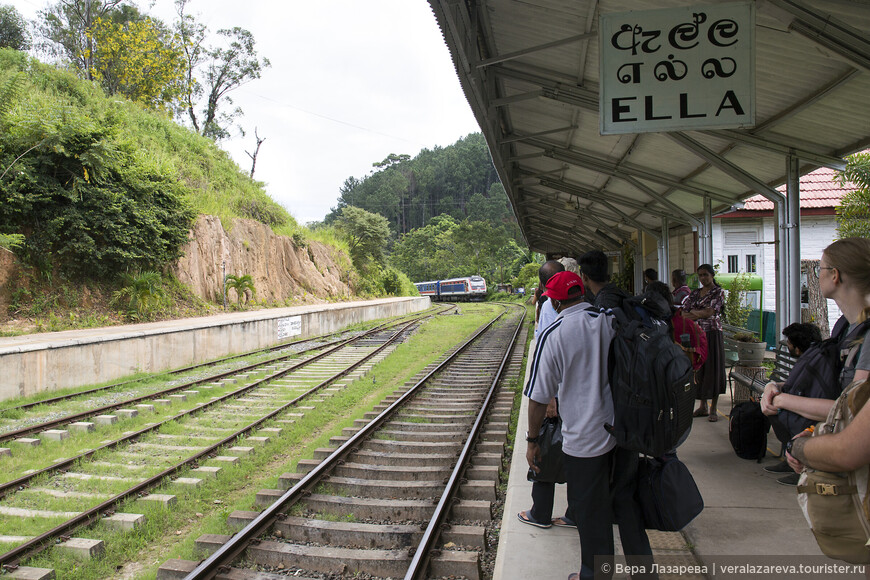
(789, 479)
(781, 467)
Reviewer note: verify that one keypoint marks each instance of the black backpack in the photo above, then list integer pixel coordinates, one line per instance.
(816, 373)
(651, 381)
(747, 430)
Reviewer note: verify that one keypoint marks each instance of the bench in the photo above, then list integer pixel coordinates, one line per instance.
(754, 381)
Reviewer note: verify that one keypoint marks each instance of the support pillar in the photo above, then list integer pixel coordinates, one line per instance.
(793, 229)
(638, 262)
(706, 234)
(665, 253)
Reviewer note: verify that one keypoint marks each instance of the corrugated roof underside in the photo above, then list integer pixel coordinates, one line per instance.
(572, 170)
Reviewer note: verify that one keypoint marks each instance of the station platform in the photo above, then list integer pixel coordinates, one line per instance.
(36, 363)
(748, 517)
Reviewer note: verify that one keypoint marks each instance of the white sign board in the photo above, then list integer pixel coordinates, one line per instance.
(684, 68)
(290, 326)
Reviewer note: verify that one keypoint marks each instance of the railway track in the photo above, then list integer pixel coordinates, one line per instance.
(406, 493)
(64, 414)
(129, 466)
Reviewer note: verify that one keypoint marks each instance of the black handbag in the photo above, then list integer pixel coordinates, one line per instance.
(667, 494)
(552, 462)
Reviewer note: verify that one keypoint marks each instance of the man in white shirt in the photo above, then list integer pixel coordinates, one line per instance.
(571, 363)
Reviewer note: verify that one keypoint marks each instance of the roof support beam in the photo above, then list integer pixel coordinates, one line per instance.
(534, 49)
(827, 31)
(520, 137)
(582, 159)
(785, 149)
(725, 166)
(663, 200)
(596, 196)
(568, 233)
(595, 213)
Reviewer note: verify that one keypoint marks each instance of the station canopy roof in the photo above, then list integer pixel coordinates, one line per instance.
(530, 71)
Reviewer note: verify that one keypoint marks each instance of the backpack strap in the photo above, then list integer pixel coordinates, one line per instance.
(828, 489)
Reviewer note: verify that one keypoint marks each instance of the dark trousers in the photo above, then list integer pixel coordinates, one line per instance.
(542, 502)
(589, 507)
(627, 513)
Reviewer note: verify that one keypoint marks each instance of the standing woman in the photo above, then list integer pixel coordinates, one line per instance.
(703, 306)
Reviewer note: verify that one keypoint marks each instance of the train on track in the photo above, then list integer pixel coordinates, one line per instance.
(460, 289)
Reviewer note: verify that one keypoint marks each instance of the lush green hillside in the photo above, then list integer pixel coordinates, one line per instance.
(98, 185)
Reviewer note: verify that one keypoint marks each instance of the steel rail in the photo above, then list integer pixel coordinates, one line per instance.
(420, 560)
(69, 396)
(9, 435)
(46, 539)
(5, 488)
(235, 546)
(200, 365)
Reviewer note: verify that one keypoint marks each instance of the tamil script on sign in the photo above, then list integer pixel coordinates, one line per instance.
(685, 68)
(290, 326)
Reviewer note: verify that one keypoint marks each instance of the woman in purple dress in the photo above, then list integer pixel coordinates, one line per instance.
(704, 306)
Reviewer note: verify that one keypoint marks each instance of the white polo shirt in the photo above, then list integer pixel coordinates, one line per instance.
(571, 362)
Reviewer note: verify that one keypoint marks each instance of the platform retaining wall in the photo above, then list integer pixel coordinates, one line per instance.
(46, 362)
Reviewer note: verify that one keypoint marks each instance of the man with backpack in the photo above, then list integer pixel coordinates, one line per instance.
(600, 291)
(571, 362)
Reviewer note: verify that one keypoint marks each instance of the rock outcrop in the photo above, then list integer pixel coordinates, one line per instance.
(281, 269)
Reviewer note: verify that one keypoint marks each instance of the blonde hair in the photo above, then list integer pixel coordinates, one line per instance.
(851, 258)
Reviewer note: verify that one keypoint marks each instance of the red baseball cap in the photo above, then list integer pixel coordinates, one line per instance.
(560, 285)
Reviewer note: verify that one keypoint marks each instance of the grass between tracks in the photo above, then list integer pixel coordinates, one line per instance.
(170, 533)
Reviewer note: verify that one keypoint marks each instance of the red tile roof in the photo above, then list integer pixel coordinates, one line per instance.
(818, 190)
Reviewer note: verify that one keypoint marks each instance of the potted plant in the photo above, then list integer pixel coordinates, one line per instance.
(750, 349)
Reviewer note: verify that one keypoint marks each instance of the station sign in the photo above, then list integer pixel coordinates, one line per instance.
(677, 69)
(290, 326)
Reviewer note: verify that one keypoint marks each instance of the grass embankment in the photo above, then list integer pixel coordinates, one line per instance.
(95, 187)
(171, 533)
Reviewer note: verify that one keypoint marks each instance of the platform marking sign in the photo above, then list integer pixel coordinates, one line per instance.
(290, 326)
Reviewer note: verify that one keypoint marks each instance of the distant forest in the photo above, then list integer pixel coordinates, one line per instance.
(448, 214)
(458, 180)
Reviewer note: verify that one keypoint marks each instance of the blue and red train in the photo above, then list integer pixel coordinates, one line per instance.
(468, 288)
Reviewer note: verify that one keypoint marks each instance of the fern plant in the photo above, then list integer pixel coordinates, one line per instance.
(142, 292)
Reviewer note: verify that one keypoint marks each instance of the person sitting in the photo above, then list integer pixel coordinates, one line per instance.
(844, 277)
(799, 336)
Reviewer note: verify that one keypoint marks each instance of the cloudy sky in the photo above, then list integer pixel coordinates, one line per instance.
(351, 81)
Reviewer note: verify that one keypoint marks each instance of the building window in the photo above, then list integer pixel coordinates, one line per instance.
(750, 264)
(733, 266)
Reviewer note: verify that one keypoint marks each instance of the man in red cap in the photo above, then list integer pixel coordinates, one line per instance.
(570, 362)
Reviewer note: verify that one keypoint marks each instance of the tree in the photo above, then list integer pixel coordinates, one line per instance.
(243, 285)
(366, 233)
(853, 213)
(139, 59)
(225, 69)
(256, 152)
(13, 29)
(66, 26)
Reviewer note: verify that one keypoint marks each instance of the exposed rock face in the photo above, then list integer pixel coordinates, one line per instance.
(8, 272)
(280, 269)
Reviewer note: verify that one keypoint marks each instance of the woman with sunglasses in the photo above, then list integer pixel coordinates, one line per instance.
(844, 277)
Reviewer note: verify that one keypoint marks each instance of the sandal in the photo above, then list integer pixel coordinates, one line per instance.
(563, 523)
(700, 413)
(713, 418)
(523, 517)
